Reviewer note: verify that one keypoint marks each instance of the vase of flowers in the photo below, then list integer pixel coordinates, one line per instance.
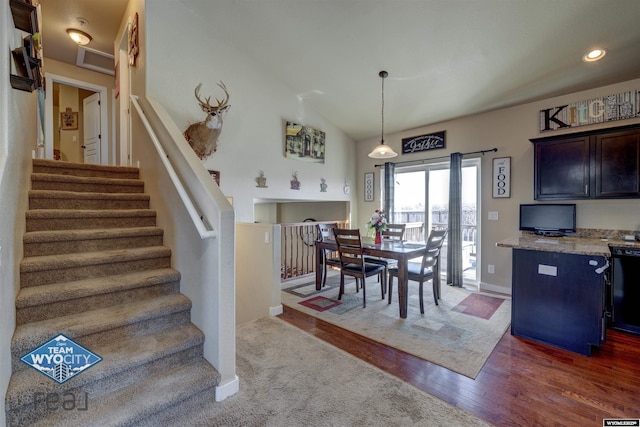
(378, 222)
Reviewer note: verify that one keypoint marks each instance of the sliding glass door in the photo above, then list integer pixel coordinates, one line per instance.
(422, 202)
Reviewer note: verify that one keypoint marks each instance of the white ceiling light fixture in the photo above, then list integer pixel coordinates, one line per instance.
(594, 55)
(382, 151)
(79, 37)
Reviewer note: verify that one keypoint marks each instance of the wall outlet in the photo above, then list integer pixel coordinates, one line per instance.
(491, 269)
(267, 237)
(493, 215)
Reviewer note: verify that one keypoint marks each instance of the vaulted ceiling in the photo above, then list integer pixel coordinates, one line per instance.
(445, 58)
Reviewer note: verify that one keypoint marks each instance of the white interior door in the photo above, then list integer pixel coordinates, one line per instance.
(91, 125)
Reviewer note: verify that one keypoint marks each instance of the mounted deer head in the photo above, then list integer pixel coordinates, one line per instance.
(203, 136)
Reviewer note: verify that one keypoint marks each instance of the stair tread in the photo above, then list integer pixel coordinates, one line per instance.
(136, 402)
(85, 179)
(71, 165)
(117, 356)
(56, 292)
(30, 335)
(58, 194)
(87, 213)
(97, 233)
(47, 262)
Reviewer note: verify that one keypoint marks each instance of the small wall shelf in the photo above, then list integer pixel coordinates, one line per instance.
(28, 76)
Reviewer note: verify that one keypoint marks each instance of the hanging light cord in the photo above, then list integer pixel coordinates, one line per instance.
(383, 75)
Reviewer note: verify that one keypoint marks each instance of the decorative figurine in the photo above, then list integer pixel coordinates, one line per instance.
(261, 180)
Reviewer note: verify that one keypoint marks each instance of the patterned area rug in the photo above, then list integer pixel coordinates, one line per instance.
(459, 333)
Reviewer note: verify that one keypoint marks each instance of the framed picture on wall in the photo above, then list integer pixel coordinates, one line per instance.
(369, 187)
(69, 120)
(502, 177)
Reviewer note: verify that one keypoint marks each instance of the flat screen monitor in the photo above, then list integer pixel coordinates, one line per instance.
(548, 219)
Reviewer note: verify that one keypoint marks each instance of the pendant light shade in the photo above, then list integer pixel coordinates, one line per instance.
(382, 151)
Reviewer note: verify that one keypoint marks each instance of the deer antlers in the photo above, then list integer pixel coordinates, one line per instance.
(207, 107)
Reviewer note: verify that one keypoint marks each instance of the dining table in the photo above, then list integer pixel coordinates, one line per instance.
(399, 250)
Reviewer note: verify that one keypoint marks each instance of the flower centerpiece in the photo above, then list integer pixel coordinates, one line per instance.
(378, 222)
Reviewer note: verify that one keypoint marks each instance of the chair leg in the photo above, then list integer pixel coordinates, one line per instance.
(364, 292)
(324, 278)
(390, 290)
(421, 299)
(341, 291)
(383, 283)
(435, 290)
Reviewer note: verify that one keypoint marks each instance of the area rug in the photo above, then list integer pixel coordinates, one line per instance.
(290, 378)
(459, 333)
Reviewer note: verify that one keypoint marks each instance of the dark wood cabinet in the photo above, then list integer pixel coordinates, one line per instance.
(562, 169)
(617, 160)
(558, 299)
(588, 165)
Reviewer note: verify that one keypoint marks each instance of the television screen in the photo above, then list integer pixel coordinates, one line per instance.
(554, 219)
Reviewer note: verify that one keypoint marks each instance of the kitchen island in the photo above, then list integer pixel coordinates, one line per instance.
(561, 289)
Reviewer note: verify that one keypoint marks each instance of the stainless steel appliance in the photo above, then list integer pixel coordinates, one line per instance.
(626, 289)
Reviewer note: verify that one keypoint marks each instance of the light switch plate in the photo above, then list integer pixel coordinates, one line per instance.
(493, 215)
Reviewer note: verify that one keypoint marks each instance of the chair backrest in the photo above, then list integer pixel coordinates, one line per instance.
(434, 244)
(394, 232)
(349, 246)
(325, 230)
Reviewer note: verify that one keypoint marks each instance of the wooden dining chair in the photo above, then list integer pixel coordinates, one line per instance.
(429, 269)
(353, 264)
(329, 257)
(392, 232)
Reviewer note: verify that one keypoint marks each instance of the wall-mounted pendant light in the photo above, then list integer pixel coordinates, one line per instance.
(382, 151)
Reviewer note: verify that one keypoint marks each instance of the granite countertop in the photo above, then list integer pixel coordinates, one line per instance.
(587, 245)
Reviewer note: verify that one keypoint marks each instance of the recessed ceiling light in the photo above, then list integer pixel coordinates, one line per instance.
(594, 55)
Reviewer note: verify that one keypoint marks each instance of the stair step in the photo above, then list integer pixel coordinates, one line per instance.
(133, 405)
(82, 169)
(69, 219)
(43, 181)
(43, 270)
(127, 363)
(50, 199)
(96, 328)
(38, 303)
(37, 243)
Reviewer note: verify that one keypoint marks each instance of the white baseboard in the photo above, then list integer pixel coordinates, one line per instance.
(275, 311)
(494, 288)
(229, 389)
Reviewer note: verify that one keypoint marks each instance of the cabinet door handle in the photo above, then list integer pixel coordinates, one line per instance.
(586, 189)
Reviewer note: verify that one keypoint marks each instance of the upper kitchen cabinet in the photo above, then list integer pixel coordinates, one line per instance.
(617, 160)
(588, 165)
(562, 169)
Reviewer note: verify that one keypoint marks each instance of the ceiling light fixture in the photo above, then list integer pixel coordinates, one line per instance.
(594, 55)
(382, 151)
(78, 36)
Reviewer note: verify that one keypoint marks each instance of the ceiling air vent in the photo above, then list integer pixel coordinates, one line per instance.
(95, 60)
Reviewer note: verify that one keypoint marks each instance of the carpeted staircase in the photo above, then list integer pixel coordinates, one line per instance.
(95, 269)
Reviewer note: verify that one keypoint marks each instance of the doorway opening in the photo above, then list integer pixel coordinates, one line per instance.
(68, 138)
(52, 120)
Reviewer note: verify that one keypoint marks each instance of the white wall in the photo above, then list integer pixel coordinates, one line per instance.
(252, 137)
(257, 271)
(509, 130)
(17, 140)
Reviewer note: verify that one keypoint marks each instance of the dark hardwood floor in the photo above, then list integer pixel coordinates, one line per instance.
(523, 383)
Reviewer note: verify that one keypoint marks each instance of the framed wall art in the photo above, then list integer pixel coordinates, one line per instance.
(132, 38)
(304, 143)
(69, 120)
(369, 187)
(502, 177)
(215, 175)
